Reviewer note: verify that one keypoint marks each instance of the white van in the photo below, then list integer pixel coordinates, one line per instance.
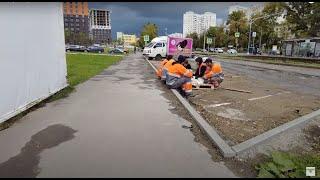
(157, 48)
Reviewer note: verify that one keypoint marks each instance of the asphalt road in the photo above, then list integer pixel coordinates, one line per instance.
(117, 124)
(301, 80)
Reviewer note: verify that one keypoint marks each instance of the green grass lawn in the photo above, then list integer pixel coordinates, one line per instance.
(81, 67)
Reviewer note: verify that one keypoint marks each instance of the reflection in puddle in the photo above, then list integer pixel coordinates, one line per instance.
(25, 164)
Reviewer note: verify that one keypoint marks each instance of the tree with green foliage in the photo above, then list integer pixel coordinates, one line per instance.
(304, 18)
(265, 23)
(238, 22)
(218, 35)
(148, 29)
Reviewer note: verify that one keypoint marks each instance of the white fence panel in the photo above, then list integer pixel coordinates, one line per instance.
(32, 54)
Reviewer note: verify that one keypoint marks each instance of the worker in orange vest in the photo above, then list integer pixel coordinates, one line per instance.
(160, 68)
(178, 77)
(213, 74)
(165, 68)
(201, 68)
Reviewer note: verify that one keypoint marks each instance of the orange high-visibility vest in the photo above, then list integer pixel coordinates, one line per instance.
(168, 64)
(178, 70)
(159, 71)
(216, 68)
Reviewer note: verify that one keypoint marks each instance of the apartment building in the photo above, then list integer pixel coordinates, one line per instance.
(100, 26)
(198, 23)
(76, 17)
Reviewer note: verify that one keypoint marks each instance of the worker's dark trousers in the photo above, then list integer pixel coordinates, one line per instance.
(176, 83)
(164, 74)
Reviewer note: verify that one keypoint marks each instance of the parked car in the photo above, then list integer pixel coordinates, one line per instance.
(77, 48)
(218, 50)
(198, 49)
(232, 51)
(123, 49)
(97, 49)
(211, 50)
(116, 51)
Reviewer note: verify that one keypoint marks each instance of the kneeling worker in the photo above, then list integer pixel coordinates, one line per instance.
(166, 66)
(178, 77)
(201, 68)
(213, 74)
(160, 68)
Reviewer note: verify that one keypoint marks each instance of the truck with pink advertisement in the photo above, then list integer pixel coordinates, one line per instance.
(162, 46)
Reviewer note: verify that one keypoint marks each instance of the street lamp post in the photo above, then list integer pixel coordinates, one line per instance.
(204, 40)
(249, 36)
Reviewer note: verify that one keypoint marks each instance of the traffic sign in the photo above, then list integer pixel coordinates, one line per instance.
(237, 34)
(254, 34)
(146, 37)
(209, 40)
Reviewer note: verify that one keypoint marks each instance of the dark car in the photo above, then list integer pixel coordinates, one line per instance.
(75, 48)
(95, 49)
(116, 51)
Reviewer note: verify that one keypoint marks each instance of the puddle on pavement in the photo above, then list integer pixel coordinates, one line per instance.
(25, 164)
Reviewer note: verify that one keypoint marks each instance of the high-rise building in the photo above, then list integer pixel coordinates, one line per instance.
(100, 26)
(76, 17)
(198, 23)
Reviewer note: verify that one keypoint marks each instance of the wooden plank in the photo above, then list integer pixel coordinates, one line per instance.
(238, 90)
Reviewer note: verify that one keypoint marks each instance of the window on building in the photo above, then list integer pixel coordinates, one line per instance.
(77, 20)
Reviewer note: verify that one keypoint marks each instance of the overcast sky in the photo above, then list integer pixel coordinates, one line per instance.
(129, 17)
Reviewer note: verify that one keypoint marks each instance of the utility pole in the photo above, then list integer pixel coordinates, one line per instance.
(249, 36)
(204, 40)
(260, 38)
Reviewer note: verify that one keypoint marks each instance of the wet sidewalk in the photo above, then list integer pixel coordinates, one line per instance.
(117, 124)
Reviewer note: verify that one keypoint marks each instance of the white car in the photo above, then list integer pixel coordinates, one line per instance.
(232, 51)
(218, 50)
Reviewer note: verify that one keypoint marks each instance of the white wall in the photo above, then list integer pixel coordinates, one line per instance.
(32, 54)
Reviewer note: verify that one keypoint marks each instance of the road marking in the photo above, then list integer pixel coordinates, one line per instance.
(217, 105)
(262, 97)
(252, 99)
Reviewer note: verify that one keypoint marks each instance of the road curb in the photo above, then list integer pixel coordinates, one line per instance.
(225, 149)
(239, 148)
